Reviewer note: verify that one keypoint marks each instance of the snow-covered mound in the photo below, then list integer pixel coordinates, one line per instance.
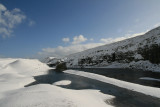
(23, 66)
(16, 73)
(140, 48)
(53, 96)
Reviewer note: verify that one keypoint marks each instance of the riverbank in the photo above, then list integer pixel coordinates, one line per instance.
(122, 97)
(129, 75)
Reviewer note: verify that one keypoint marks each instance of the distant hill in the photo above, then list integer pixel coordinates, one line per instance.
(140, 52)
(52, 61)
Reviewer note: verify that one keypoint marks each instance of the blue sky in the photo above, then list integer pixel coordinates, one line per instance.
(43, 28)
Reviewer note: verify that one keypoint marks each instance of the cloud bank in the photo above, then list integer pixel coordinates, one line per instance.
(76, 46)
(61, 51)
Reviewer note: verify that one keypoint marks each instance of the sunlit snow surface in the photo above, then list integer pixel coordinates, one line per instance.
(16, 73)
(62, 82)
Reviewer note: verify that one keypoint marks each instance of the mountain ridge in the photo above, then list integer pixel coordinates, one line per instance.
(122, 52)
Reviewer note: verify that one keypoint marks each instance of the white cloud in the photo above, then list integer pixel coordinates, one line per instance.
(31, 23)
(61, 51)
(111, 40)
(79, 39)
(2, 8)
(9, 19)
(65, 39)
(74, 47)
(91, 39)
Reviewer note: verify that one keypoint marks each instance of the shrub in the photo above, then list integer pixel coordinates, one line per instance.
(61, 67)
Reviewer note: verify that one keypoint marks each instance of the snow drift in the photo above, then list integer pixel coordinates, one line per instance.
(16, 73)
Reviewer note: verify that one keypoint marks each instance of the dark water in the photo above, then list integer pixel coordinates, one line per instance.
(123, 97)
(127, 75)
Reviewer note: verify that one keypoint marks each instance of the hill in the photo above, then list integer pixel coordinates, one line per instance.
(140, 52)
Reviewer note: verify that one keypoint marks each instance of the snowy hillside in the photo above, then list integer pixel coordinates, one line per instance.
(52, 61)
(142, 52)
(48, 59)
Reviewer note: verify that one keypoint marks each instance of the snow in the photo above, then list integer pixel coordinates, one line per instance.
(145, 65)
(138, 56)
(52, 60)
(22, 67)
(52, 96)
(128, 45)
(48, 59)
(149, 78)
(62, 82)
(152, 91)
(16, 73)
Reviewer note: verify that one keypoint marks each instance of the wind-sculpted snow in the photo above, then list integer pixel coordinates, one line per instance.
(16, 73)
(52, 96)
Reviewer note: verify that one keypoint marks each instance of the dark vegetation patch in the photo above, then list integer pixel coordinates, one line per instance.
(151, 53)
(61, 67)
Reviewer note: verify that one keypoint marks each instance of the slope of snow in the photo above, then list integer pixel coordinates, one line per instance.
(131, 86)
(52, 60)
(16, 73)
(62, 82)
(52, 96)
(144, 65)
(5, 61)
(48, 59)
(128, 45)
(23, 66)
